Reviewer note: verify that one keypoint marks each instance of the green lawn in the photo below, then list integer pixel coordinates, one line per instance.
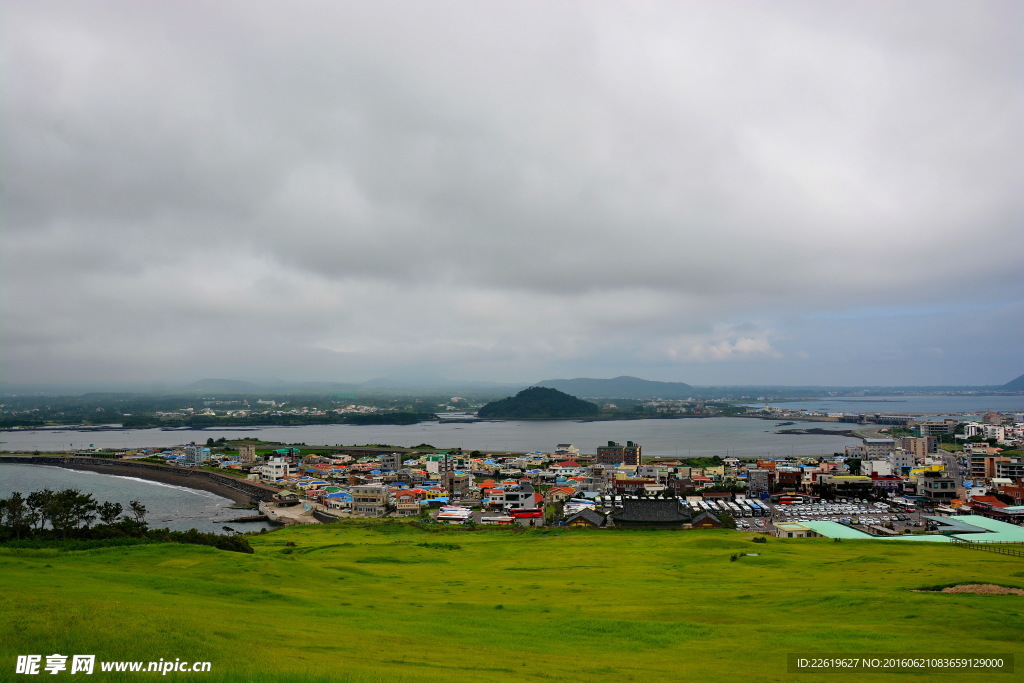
(391, 602)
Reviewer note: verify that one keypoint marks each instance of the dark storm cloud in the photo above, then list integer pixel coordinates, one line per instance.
(501, 190)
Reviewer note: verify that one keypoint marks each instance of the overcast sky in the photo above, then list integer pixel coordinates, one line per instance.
(712, 192)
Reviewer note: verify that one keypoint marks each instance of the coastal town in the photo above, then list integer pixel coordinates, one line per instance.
(916, 478)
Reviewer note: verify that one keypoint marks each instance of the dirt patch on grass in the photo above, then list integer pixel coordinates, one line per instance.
(978, 588)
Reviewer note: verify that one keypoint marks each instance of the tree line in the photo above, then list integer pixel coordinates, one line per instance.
(63, 517)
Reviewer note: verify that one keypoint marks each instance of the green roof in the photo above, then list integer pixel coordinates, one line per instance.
(1001, 532)
(994, 531)
(837, 530)
(951, 525)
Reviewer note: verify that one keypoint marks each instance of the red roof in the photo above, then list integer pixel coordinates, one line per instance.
(568, 463)
(991, 501)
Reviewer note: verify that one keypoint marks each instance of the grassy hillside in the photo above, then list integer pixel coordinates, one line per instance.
(391, 602)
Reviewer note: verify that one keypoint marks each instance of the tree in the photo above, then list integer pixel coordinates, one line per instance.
(109, 512)
(18, 514)
(138, 510)
(70, 507)
(88, 508)
(60, 512)
(39, 503)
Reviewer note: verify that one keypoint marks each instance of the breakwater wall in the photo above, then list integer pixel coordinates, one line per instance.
(325, 517)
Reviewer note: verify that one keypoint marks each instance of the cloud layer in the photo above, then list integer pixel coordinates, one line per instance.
(712, 192)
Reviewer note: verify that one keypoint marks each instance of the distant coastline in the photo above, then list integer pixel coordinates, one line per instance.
(200, 480)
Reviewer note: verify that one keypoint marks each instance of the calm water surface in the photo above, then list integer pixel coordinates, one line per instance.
(175, 507)
(742, 437)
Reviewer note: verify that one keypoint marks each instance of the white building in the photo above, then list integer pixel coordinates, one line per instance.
(276, 468)
(196, 455)
(900, 458)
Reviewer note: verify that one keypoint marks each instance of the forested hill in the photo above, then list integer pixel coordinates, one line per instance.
(1015, 385)
(539, 402)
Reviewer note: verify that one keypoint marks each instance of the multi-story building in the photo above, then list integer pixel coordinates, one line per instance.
(615, 453)
(936, 487)
(276, 468)
(789, 477)
(196, 455)
(878, 449)
(247, 452)
(900, 459)
(936, 427)
(369, 500)
(919, 446)
(983, 466)
(1010, 468)
(880, 468)
(407, 503)
(652, 472)
(522, 497)
(981, 430)
(760, 481)
(391, 461)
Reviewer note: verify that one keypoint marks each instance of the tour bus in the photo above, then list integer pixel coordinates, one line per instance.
(526, 513)
(452, 518)
(496, 520)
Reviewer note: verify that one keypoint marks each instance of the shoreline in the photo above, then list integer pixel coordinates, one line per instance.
(160, 475)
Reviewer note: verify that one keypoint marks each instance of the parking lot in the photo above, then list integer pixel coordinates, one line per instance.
(856, 513)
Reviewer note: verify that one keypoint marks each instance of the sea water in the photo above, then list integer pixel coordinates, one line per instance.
(176, 507)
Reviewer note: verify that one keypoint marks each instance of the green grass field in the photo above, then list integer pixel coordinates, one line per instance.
(392, 602)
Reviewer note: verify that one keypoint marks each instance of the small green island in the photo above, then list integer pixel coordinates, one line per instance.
(539, 403)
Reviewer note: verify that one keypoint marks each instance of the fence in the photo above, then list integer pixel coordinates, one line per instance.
(1001, 547)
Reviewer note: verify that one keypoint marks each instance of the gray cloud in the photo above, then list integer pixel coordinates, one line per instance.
(711, 192)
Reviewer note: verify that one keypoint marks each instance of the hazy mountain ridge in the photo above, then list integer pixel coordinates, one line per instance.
(620, 387)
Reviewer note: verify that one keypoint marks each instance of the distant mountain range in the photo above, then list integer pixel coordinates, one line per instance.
(620, 387)
(624, 387)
